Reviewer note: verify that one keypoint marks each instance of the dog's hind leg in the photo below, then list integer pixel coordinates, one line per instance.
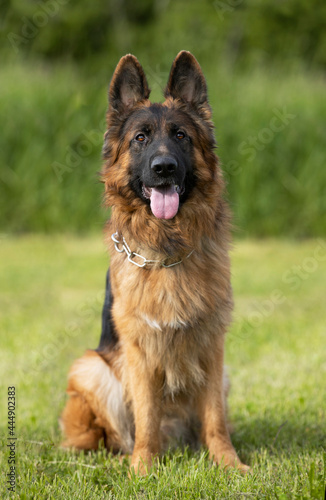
(96, 408)
(78, 423)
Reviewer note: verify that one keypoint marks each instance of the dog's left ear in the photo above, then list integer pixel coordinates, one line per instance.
(128, 85)
(186, 81)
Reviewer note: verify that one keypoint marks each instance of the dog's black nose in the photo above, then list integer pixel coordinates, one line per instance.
(164, 166)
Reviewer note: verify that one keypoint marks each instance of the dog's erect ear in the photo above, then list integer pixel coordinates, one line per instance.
(186, 80)
(128, 85)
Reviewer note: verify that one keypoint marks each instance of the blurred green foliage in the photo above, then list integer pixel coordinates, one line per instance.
(243, 31)
(264, 62)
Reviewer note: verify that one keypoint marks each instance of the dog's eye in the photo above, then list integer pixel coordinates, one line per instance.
(180, 135)
(140, 137)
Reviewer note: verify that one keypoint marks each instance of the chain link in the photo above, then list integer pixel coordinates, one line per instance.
(122, 246)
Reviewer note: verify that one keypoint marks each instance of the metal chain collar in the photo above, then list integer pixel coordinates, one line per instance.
(122, 246)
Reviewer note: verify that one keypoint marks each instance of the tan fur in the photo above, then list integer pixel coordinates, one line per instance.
(168, 365)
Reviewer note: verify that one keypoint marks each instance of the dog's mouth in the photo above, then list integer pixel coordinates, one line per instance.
(164, 200)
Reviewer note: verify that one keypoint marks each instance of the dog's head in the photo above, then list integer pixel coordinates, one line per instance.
(157, 155)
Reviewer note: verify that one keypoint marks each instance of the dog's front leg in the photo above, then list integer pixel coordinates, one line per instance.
(145, 388)
(212, 409)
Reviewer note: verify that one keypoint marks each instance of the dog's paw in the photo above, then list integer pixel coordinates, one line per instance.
(232, 461)
(142, 463)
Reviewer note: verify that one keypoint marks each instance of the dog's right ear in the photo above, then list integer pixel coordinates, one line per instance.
(128, 85)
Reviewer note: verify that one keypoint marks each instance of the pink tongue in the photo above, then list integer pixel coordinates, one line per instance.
(164, 202)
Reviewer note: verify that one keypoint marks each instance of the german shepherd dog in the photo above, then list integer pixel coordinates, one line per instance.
(159, 366)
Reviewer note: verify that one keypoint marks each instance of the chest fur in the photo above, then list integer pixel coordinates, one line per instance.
(176, 297)
(173, 315)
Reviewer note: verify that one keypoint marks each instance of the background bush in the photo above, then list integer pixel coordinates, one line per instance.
(244, 31)
(262, 59)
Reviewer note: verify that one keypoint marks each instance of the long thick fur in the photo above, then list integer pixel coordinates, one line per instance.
(164, 372)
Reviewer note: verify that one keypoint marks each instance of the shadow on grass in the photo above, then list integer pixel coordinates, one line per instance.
(275, 436)
(256, 439)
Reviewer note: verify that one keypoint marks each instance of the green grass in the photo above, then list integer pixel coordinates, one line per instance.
(52, 123)
(51, 291)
